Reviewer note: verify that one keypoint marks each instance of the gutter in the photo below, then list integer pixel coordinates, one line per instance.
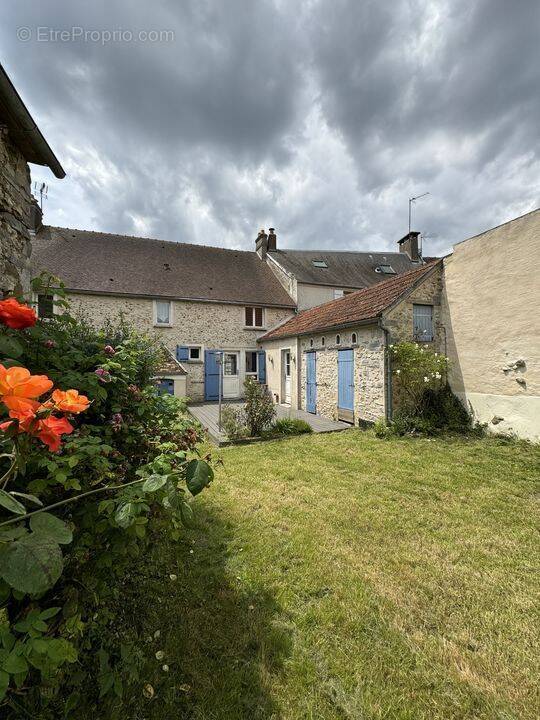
(19, 112)
(389, 404)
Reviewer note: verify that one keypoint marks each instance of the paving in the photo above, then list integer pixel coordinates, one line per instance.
(208, 414)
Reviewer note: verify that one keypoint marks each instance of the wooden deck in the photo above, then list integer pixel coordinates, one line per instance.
(207, 415)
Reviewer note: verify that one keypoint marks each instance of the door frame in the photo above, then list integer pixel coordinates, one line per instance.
(237, 376)
(284, 376)
(311, 354)
(344, 413)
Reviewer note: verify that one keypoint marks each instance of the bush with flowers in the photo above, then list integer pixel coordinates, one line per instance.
(423, 400)
(92, 459)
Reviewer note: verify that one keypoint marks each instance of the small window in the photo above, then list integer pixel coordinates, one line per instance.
(322, 341)
(45, 306)
(319, 263)
(195, 353)
(311, 343)
(423, 323)
(385, 270)
(338, 293)
(354, 339)
(338, 339)
(254, 317)
(163, 312)
(251, 362)
(230, 364)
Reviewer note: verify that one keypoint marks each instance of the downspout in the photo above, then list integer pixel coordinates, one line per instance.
(388, 405)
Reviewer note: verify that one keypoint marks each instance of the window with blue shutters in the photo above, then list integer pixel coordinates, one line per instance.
(423, 323)
(182, 353)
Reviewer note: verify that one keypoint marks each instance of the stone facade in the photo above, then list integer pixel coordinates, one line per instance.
(15, 203)
(210, 326)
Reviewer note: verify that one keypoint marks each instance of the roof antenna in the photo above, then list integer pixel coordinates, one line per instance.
(43, 192)
(411, 200)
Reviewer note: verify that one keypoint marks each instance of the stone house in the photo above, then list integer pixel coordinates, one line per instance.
(313, 277)
(21, 142)
(491, 313)
(332, 359)
(198, 300)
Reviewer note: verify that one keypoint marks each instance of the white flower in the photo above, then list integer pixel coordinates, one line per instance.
(157, 634)
(426, 379)
(160, 655)
(398, 372)
(165, 668)
(173, 577)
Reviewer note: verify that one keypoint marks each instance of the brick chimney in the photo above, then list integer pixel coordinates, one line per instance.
(272, 239)
(409, 244)
(261, 244)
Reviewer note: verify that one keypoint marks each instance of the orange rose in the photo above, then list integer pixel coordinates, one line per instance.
(50, 430)
(18, 382)
(70, 401)
(15, 315)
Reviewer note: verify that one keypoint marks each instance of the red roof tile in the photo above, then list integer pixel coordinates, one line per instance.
(365, 304)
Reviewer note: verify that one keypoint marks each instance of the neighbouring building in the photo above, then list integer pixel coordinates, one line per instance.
(491, 314)
(313, 277)
(332, 359)
(21, 142)
(198, 300)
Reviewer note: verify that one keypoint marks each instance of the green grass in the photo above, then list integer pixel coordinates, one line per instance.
(340, 576)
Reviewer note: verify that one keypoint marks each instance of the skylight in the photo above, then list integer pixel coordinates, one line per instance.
(319, 263)
(385, 270)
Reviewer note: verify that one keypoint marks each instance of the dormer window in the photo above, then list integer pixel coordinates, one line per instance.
(319, 263)
(385, 270)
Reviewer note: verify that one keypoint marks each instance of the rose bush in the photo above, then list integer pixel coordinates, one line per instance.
(87, 469)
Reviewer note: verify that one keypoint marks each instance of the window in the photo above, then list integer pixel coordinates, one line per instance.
(311, 343)
(254, 317)
(251, 363)
(195, 353)
(319, 263)
(230, 364)
(385, 270)
(338, 293)
(338, 339)
(322, 341)
(354, 339)
(45, 306)
(423, 323)
(163, 314)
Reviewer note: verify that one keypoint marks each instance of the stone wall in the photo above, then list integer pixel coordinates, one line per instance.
(214, 326)
(369, 375)
(15, 203)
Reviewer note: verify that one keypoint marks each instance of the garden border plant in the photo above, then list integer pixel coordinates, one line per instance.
(85, 473)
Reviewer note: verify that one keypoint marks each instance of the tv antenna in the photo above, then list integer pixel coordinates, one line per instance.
(43, 192)
(414, 199)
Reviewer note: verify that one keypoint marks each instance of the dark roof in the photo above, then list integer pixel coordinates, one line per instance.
(110, 264)
(358, 307)
(23, 130)
(345, 269)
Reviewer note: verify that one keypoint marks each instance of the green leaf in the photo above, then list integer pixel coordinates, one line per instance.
(4, 684)
(15, 664)
(199, 474)
(12, 533)
(186, 514)
(124, 515)
(61, 650)
(154, 482)
(32, 498)
(49, 613)
(31, 564)
(10, 347)
(52, 527)
(9, 502)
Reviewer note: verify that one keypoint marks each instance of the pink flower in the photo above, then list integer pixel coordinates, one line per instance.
(49, 344)
(103, 375)
(109, 350)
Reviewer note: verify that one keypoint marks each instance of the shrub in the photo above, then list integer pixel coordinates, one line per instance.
(83, 484)
(415, 369)
(233, 420)
(259, 408)
(381, 428)
(290, 426)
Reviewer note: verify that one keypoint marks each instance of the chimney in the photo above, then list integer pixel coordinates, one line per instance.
(261, 244)
(272, 239)
(35, 216)
(409, 244)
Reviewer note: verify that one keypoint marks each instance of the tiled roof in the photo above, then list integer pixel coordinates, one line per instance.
(359, 306)
(105, 263)
(344, 269)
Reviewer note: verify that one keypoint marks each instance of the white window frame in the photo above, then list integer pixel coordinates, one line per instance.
(35, 300)
(253, 308)
(171, 306)
(201, 353)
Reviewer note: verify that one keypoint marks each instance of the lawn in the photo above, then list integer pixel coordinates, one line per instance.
(341, 576)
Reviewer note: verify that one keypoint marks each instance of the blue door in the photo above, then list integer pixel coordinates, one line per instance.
(346, 385)
(165, 387)
(261, 367)
(311, 382)
(211, 375)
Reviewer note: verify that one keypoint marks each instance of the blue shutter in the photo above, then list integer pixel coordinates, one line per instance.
(261, 366)
(423, 322)
(182, 353)
(211, 375)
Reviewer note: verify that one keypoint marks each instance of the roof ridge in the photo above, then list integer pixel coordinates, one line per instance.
(342, 252)
(146, 239)
(506, 222)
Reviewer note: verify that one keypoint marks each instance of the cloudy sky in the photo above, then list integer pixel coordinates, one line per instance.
(318, 117)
